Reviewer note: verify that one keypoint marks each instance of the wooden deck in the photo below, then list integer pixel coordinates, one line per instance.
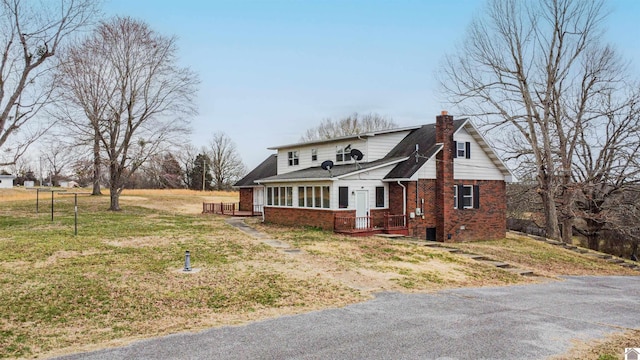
(370, 225)
(230, 209)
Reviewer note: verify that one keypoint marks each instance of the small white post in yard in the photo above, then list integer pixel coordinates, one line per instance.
(187, 261)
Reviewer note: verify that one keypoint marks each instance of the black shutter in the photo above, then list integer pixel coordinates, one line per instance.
(455, 149)
(476, 197)
(467, 150)
(460, 197)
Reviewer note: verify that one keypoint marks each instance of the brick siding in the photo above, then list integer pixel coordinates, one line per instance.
(246, 199)
(303, 216)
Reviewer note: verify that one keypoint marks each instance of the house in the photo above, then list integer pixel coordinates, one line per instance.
(437, 181)
(6, 181)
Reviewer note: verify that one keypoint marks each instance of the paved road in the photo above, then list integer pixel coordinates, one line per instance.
(525, 322)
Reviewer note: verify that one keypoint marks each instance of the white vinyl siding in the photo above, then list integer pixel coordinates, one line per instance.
(380, 145)
(375, 174)
(353, 185)
(427, 171)
(479, 166)
(325, 152)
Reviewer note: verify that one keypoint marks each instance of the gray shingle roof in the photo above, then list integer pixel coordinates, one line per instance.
(423, 136)
(267, 168)
(317, 173)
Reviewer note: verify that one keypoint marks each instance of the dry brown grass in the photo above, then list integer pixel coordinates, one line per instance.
(119, 280)
(542, 258)
(611, 347)
(378, 264)
(16, 194)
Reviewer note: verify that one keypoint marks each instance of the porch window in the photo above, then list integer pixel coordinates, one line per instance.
(379, 196)
(301, 196)
(280, 196)
(326, 197)
(309, 196)
(343, 197)
(293, 158)
(317, 196)
(289, 195)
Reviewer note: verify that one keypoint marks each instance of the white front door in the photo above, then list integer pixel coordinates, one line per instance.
(362, 209)
(258, 199)
(258, 196)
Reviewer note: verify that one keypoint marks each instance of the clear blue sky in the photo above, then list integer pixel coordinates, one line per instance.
(271, 69)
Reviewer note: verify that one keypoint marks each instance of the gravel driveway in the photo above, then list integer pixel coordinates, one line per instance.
(526, 322)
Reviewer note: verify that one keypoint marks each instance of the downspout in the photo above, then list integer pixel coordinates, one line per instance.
(404, 202)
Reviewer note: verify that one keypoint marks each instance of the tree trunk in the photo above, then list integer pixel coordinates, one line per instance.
(550, 216)
(114, 187)
(96, 166)
(115, 200)
(567, 230)
(593, 241)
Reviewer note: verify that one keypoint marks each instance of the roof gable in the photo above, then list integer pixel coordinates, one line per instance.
(266, 169)
(425, 138)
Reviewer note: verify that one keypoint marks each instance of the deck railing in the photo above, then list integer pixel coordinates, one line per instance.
(219, 208)
(356, 223)
(257, 209)
(395, 221)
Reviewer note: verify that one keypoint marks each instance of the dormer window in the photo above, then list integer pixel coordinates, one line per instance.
(343, 153)
(293, 158)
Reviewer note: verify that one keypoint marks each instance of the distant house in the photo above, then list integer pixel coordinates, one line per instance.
(6, 181)
(437, 181)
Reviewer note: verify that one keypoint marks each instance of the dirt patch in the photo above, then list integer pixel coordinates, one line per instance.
(58, 255)
(140, 242)
(14, 264)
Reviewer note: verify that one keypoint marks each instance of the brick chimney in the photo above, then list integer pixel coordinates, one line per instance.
(444, 180)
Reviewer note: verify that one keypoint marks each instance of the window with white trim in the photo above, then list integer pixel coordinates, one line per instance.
(343, 153)
(455, 196)
(280, 196)
(293, 158)
(314, 197)
(314, 154)
(466, 197)
(462, 149)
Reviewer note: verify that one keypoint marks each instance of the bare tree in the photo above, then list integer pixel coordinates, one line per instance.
(57, 159)
(350, 125)
(135, 99)
(226, 164)
(186, 157)
(606, 170)
(31, 33)
(536, 67)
